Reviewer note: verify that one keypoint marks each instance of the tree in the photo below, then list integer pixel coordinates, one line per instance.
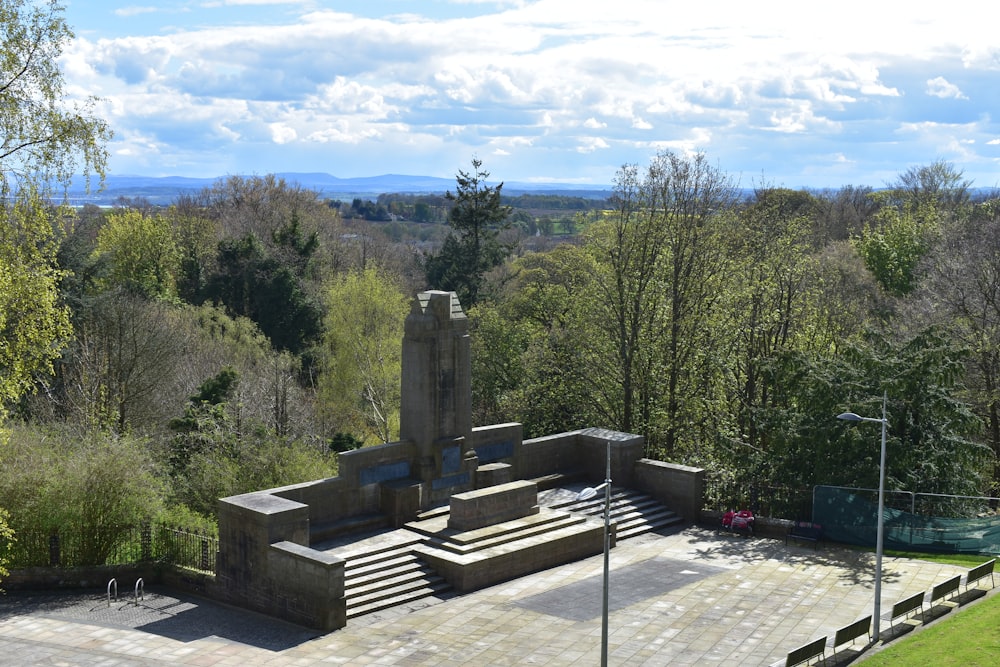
(932, 445)
(34, 325)
(769, 297)
(538, 356)
(255, 283)
(962, 295)
(143, 253)
(41, 135)
(42, 140)
(362, 355)
(476, 218)
(658, 259)
(90, 485)
(937, 184)
(895, 242)
(6, 540)
(117, 374)
(205, 417)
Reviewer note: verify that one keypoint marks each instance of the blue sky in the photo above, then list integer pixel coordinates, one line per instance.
(545, 90)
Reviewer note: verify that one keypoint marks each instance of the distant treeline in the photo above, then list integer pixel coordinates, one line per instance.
(434, 207)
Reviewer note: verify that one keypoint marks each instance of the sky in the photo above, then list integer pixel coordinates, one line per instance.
(558, 91)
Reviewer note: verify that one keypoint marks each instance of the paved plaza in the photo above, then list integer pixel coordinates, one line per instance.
(693, 597)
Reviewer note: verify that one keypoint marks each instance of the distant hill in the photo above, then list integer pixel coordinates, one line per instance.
(164, 190)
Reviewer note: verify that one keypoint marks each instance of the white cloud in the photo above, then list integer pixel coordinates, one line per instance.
(134, 11)
(940, 87)
(591, 144)
(289, 73)
(282, 134)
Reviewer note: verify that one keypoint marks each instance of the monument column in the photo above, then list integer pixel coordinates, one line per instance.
(436, 393)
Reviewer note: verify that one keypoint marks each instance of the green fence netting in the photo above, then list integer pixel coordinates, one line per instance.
(911, 521)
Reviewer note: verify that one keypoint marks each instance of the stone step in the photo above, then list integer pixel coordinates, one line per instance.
(398, 588)
(388, 575)
(440, 510)
(377, 557)
(633, 512)
(412, 595)
(403, 561)
(504, 533)
(596, 503)
(648, 525)
(375, 584)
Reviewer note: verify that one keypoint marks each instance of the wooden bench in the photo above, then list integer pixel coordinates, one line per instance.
(980, 572)
(904, 607)
(807, 652)
(941, 591)
(849, 633)
(805, 531)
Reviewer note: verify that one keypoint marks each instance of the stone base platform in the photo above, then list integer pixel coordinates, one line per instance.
(474, 559)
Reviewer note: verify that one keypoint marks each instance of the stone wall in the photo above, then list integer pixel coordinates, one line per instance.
(265, 563)
(682, 488)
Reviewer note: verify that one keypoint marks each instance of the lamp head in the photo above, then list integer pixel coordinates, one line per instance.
(850, 416)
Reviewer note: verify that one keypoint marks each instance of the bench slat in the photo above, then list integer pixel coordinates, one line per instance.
(904, 607)
(980, 572)
(946, 587)
(806, 652)
(853, 631)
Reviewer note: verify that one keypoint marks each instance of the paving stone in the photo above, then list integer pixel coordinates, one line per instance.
(693, 597)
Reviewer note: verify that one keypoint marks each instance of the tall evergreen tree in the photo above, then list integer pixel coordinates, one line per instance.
(474, 246)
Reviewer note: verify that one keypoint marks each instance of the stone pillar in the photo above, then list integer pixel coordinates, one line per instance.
(436, 393)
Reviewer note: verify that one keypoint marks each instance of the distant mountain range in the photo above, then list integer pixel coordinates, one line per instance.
(164, 190)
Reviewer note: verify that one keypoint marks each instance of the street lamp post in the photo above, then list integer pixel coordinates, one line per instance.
(587, 493)
(880, 531)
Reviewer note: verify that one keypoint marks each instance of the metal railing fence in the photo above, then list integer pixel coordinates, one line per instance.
(82, 546)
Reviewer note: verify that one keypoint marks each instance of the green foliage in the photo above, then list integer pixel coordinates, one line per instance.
(960, 294)
(659, 259)
(195, 236)
(533, 357)
(932, 445)
(477, 218)
(895, 242)
(344, 442)
(253, 283)
(7, 539)
(143, 254)
(361, 354)
(51, 479)
(241, 463)
(769, 298)
(938, 184)
(41, 136)
(34, 325)
(205, 418)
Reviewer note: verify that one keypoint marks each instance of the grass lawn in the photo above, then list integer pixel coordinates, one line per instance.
(968, 638)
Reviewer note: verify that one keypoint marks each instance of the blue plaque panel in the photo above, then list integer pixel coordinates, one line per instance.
(385, 472)
(451, 459)
(495, 451)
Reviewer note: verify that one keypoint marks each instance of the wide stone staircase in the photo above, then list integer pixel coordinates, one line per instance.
(384, 575)
(634, 513)
(390, 569)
